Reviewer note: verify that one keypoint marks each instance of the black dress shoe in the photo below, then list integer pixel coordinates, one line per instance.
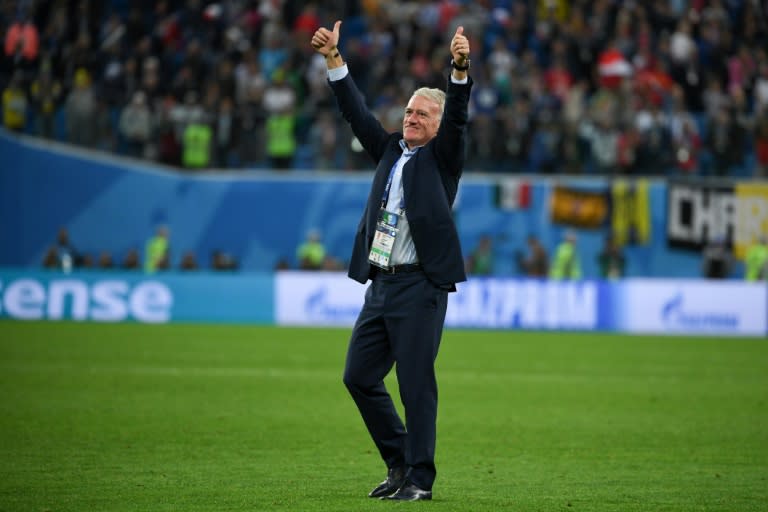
(395, 478)
(409, 492)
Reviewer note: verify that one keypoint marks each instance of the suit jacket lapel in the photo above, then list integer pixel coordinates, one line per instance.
(379, 184)
(409, 170)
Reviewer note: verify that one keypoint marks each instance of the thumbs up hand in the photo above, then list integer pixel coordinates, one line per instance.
(325, 40)
(460, 47)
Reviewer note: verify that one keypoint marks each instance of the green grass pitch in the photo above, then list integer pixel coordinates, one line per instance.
(129, 417)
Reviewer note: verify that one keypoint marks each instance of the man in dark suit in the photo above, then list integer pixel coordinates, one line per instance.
(408, 246)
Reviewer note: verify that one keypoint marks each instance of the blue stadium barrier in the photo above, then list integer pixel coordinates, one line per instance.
(114, 204)
(648, 306)
(136, 297)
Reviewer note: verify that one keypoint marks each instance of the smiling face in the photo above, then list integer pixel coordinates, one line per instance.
(421, 120)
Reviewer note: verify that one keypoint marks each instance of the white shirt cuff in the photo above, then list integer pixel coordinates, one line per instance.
(338, 73)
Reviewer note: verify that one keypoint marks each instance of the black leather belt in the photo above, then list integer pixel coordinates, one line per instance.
(401, 269)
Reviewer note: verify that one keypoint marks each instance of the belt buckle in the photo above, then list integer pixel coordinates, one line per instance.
(391, 270)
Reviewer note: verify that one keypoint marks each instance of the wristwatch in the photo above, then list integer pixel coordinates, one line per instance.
(455, 66)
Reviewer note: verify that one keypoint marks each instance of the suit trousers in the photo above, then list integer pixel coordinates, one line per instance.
(400, 325)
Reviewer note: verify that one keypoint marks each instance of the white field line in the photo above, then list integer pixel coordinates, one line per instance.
(305, 374)
(170, 371)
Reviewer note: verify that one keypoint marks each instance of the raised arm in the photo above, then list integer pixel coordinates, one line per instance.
(451, 137)
(351, 102)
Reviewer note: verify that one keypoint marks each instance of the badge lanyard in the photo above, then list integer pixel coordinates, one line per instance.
(386, 226)
(385, 194)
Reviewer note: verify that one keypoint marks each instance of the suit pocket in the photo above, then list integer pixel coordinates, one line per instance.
(433, 296)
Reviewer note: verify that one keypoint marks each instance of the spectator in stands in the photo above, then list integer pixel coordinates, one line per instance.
(715, 98)
(188, 261)
(761, 89)
(686, 141)
(610, 260)
(566, 263)
(46, 92)
(761, 145)
(226, 132)
(136, 125)
(756, 260)
(687, 148)
(602, 136)
(480, 260)
(717, 260)
(168, 143)
(69, 256)
(51, 258)
(221, 260)
(627, 143)
(86, 261)
(725, 141)
(150, 81)
(324, 137)
(181, 110)
(105, 260)
(546, 143)
(250, 84)
(306, 22)
(81, 108)
(197, 144)
(156, 252)
(15, 105)
(196, 133)
(280, 104)
(274, 53)
(22, 42)
(311, 253)
(536, 262)
(516, 128)
(119, 79)
(131, 260)
(654, 152)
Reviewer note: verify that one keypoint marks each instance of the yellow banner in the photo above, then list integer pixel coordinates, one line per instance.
(579, 208)
(751, 216)
(631, 212)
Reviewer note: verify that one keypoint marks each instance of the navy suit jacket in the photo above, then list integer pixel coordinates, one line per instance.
(430, 182)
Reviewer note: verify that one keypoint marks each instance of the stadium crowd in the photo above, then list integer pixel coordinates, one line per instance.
(659, 87)
(64, 256)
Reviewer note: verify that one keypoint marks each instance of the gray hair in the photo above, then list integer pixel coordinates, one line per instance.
(432, 94)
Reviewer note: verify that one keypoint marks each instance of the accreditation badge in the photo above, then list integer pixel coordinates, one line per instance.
(384, 238)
